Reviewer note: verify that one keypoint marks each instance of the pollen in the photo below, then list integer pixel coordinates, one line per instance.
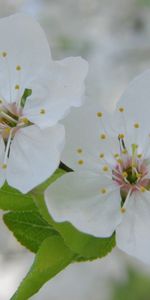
(142, 189)
(4, 166)
(103, 136)
(101, 155)
(124, 151)
(103, 191)
(4, 54)
(105, 168)
(121, 136)
(1, 101)
(138, 175)
(125, 174)
(7, 130)
(121, 109)
(18, 68)
(123, 210)
(17, 87)
(119, 161)
(80, 162)
(99, 114)
(116, 155)
(42, 111)
(139, 155)
(25, 120)
(79, 151)
(136, 125)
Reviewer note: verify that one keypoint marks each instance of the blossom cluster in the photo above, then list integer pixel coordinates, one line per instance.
(108, 154)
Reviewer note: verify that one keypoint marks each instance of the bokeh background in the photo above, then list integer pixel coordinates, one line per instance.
(114, 36)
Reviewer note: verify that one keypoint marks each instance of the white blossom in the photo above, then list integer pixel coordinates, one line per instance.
(35, 93)
(110, 188)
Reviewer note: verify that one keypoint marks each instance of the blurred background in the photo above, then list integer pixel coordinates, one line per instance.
(114, 36)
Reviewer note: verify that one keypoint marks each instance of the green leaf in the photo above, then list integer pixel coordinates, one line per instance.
(12, 199)
(86, 246)
(52, 257)
(29, 228)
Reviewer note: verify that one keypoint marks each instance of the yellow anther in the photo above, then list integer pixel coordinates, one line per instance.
(138, 175)
(99, 114)
(79, 150)
(125, 174)
(116, 155)
(121, 109)
(80, 162)
(123, 210)
(42, 111)
(4, 53)
(121, 136)
(18, 68)
(4, 166)
(1, 101)
(101, 155)
(103, 136)
(7, 130)
(142, 189)
(119, 161)
(17, 87)
(25, 120)
(105, 168)
(136, 125)
(103, 191)
(139, 155)
(124, 151)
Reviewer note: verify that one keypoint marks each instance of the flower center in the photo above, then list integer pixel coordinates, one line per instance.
(11, 116)
(131, 171)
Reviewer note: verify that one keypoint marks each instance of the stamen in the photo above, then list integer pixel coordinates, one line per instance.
(4, 54)
(18, 68)
(79, 151)
(105, 168)
(103, 190)
(7, 117)
(136, 125)
(80, 162)
(103, 136)
(121, 109)
(7, 149)
(42, 111)
(99, 114)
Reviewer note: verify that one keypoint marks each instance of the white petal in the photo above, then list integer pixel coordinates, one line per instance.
(34, 156)
(135, 100)
(26, 46)
(133, 234)
(58, 90)
(83, 139)
(77, 198)
(2, 171)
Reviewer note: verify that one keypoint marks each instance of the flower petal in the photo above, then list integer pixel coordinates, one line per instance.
(24, 54)
(89, 201)
(133, 234)
(34, 156)
(58, 90)
(135, 100)
(2, 171)
(85, 148)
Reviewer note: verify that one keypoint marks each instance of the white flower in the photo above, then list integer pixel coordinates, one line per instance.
(110, 188)
(35, 93)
